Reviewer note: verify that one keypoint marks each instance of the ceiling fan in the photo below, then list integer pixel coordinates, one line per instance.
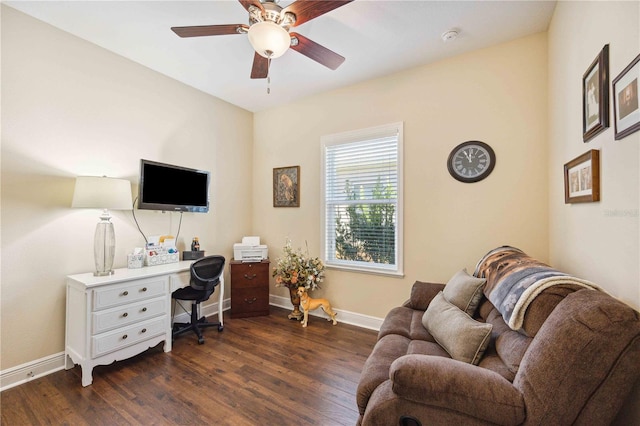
(268, 31)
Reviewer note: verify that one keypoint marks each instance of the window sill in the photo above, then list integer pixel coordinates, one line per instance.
(372, 271)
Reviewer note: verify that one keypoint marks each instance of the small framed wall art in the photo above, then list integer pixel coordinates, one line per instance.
(286, 186)
(582, 178)
(626, 112)
(595, 96)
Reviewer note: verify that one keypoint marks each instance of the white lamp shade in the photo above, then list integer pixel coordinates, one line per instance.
(269, 39)
(102, 193)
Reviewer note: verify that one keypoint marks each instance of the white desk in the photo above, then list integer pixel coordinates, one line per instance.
(116, 317)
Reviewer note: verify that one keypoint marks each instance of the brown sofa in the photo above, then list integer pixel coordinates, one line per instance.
(574, 360)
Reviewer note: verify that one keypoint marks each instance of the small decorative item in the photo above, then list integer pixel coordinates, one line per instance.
(309, 304)
(582, 178)
(135, 260)
(595, 96)
(625, 100)
(286, 186)
(471, 161)
(295, 269)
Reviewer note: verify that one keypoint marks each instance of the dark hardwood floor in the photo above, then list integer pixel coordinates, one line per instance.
(258, 371)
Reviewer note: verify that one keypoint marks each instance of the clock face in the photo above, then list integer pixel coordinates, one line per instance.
(471, 161)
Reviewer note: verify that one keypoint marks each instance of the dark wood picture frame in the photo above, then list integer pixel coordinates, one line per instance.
(626, 111)
(286, 186)
(582, 178)
(595, 96)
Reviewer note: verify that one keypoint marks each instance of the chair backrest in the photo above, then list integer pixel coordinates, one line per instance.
(206, 272)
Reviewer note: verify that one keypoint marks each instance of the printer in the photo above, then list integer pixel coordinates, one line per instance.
(250, 250)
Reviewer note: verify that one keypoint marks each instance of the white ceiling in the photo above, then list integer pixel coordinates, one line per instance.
(377, 37)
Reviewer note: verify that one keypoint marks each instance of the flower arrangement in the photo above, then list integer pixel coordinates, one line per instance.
(295, 269)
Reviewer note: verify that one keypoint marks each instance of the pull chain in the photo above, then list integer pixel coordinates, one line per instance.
(268, 76)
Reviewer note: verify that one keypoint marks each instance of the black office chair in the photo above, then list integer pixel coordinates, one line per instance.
(206, 274)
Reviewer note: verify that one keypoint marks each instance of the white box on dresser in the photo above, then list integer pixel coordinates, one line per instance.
(116, 317)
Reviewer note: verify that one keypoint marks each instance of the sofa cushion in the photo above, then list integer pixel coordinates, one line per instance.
(543, 305)
(405, 322)
(508, 344)
(420, 347)
(491, 361)
(464, 338)
(464, 291)
(422, 293)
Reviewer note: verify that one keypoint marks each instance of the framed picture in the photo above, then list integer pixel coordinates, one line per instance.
(286, 186)
(625, 100)
(582, 178)
(595, 96)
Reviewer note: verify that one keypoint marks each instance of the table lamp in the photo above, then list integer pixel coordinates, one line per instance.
(108, 194)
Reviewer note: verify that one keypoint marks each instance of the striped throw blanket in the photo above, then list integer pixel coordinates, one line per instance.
(515, 279)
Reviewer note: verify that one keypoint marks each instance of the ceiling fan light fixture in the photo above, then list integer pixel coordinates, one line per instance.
(269, 39)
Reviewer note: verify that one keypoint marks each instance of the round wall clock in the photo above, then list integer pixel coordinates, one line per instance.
(471, 161)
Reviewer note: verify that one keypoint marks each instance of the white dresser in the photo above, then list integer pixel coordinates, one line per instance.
(116, 317)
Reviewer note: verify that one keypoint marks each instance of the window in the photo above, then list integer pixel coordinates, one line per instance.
(362, 199)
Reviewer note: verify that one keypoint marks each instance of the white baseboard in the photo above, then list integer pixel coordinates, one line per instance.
(347, 317)
(28, 371)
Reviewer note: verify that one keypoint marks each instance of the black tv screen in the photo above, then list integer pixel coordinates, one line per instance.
(168, 187)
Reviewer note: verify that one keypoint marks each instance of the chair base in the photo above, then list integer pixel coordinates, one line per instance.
(196, 325)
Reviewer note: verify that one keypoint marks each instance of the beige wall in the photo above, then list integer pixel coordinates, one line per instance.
(71, 108)
(599, 241)
(496, 95)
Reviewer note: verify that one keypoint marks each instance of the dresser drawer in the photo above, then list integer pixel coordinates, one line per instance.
(132, 291)
(126, 336)
(118, 317)
(250, 300)
(249, 274)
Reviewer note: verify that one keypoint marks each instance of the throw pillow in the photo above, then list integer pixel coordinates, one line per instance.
(464, 291)
(464, 338)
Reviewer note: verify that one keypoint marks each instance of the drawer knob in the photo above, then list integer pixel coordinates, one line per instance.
(144, 289)
(124, 337)
(144, 309)
(144, 330)
(249, 277)
(125, 315)
(125, 293)
(250, 301)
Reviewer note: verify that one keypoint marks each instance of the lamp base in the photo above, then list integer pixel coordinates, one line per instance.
(104, 246)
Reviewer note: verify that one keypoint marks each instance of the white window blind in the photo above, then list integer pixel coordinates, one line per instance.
(363, 199)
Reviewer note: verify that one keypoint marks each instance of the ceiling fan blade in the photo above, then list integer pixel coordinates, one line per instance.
(317, 52)
(306, 10)
(247, 3)
(209, 30)
(260, 67)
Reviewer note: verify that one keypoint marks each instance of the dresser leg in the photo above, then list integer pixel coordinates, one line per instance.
(87, 375)
(68, 362)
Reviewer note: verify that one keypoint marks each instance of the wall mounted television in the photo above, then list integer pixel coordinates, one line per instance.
(169, 187)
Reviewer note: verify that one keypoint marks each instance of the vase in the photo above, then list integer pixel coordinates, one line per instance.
(295, 301)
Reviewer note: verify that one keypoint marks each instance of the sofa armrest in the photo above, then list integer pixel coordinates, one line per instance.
(421, 295)
(458, 386)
